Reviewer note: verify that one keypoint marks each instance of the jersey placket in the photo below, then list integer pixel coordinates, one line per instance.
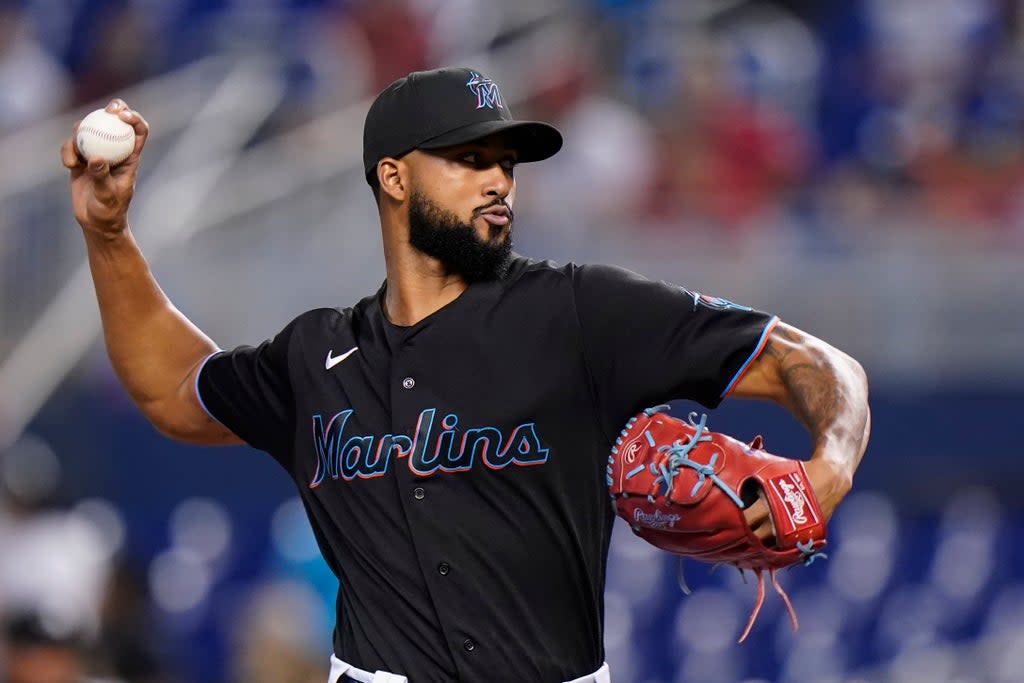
(412, 411)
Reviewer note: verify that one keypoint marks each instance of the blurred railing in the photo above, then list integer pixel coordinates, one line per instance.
(58, 325)
(38, 249)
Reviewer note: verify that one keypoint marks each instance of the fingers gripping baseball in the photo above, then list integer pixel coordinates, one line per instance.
(101, 192)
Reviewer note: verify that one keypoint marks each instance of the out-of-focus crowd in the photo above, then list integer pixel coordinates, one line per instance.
(69, 604)
(828, 120)
(79, 603)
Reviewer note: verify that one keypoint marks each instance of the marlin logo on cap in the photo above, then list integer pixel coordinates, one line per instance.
(486, 91)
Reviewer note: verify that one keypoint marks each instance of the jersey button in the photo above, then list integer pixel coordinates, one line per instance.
(418, 493)
(408, 383)
(443, 569)
(469, 645)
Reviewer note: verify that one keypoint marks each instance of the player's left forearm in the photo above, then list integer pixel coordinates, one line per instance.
(827, 391)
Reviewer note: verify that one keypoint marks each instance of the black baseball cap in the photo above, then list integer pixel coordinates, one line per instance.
(447, 107)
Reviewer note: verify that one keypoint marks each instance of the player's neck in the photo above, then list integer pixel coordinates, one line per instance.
(417, 287)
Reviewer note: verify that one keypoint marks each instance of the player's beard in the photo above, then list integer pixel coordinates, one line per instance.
(439, 233)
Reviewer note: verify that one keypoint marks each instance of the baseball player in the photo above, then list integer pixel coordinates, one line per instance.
(448, 434)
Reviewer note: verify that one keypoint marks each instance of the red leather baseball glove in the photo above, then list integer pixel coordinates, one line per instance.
(683, 488)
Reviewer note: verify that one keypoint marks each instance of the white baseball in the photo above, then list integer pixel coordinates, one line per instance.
(104, 135)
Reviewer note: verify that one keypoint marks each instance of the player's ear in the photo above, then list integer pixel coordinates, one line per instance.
(390, 175)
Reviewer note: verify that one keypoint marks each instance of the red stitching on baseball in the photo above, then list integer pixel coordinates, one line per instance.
(110, 137)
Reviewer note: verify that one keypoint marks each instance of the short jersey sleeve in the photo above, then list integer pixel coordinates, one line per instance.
(651, 342)
(249, 391)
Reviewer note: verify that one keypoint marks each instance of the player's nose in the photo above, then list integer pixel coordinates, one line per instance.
(496, 181)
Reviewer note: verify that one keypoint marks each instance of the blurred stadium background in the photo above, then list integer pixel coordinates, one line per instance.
(856, 167)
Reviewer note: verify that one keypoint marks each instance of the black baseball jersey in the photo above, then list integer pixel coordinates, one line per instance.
(454, 471)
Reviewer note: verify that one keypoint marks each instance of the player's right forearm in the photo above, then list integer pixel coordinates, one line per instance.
(152, 346)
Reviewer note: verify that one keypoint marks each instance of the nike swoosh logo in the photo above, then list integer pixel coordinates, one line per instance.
(331, 362)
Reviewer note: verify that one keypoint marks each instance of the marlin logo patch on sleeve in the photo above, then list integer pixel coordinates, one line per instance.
(714, 302)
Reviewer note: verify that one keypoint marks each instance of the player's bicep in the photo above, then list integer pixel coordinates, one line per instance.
(765, 377)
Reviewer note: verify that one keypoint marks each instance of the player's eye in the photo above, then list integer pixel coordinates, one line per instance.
(508, 163)
(470, 158)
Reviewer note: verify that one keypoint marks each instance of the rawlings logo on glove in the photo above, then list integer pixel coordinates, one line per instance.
(683, 488)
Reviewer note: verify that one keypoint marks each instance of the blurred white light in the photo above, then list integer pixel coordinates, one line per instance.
(820, 614)
(962, 565)
(865, 514)
(179, 580)
(202, 527)
(1007, 612)
(634, 566)
(59, 622)
(30, 469)
(911, 616)
(975, 511)
(709, 620)
(55, 564)
(861, 555)
(618, 620)
(1004, 657)
(923, 666)
(809, 662)
(860, 569)
(712, 667)
(965, 556)
(106, 519)
(618, 635)
(290, 533)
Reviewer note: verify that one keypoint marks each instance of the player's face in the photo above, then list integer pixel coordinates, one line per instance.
(460, 207)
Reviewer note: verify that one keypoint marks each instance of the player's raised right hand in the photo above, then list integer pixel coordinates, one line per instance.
(100, 195)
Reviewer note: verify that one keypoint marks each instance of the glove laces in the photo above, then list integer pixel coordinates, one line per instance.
(679, 457)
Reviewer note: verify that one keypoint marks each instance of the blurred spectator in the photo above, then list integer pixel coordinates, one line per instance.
(460, 29)
(33, 84)
(722, 156)
(334, 61)
(36, 651)
(54, 563)
(598, 177)
(972, 175)
(116, 48)
(396, 35)
(276, 639)
(129, 643)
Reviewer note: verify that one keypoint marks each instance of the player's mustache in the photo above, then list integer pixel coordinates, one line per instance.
(497, 202)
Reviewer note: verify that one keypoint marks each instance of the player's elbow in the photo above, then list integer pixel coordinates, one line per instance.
(185, 422)
(168, 419)
(860, 379)
(857, 376)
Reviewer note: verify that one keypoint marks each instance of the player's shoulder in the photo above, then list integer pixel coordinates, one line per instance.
(320, 317)
(526, 270)
(316, 323)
